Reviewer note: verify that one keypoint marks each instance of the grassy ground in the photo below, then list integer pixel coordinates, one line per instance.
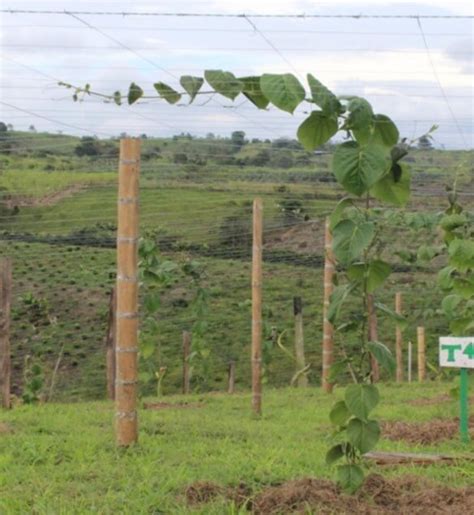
(61, 458)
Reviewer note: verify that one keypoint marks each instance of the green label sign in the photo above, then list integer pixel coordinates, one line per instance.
(456, 352)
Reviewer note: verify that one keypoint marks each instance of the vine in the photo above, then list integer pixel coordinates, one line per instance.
(367, 164)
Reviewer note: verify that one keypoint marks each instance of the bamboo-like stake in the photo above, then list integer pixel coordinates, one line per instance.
(328, 329)
(186, 368)
(302, 380)
(256, 358)
(5, 307)
(409, 365)
(110, 345)
(421, 344)
(398, 340)
(231, 381)
(127, 294)
(373, 336)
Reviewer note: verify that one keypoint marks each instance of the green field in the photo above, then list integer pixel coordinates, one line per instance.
(60, 458)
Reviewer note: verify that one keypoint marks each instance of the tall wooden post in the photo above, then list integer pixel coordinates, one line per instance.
(410, 362)
(127, 294)
(231, 378)
(186, 370)
(421, 344)
(328, 329)
(398, 339)
(256, 358)
(299, 341)
(110, 345)
(5, 307)
(373, 336)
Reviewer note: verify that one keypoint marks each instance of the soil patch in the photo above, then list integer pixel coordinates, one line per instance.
(46, 200)
(423, 433)
(177, 405)
(431, 401)
(410, 495)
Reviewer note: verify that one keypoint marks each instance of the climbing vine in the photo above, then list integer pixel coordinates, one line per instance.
(368, 165)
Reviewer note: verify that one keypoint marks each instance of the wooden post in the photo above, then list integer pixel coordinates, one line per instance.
(186, 368)
(5, 307)
(299, 341)
(110, 345)
(328, 329)
(409, 365)
(231, 382)
(398, 339)
(126, 351)
(421, 344)
(256, 358)
(373, 336)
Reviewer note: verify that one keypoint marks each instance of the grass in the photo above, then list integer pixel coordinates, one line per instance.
(62, 459)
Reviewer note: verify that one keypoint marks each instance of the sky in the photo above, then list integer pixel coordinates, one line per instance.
(418, 72)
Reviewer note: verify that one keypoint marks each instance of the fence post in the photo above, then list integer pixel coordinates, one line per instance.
(186, 353)
(126, 352)
(110, 345)
(5, 306)
(373, 336)
(256, 358)
(328, 329)
(231, 381)
(409, 365)
(302, 380)
(398, 339)
(421, 344)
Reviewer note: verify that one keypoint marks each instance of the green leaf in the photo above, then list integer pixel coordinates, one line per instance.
(324, 98)
(450, 305)
(377, 274)
(253, 91)
(396, 192)
(445, 279)
(339, 414)
(338, 297)
(350, 477)
(451, 222)
(191, 85)
(118, 98)
(464, 286)
(152, 302)
(338, 212)
(316, 130)
(361, 399)
(361, 115)
(461, 254)
(335, 453)
(383, 356)
(385, 132)
(224, 83)
(351, 239)
(363, 435)
(283, 90)
(427, 252)
(134, 93)
(358, 168)
(147, 348)
(166, 92)
(145, 377)
(400, 320)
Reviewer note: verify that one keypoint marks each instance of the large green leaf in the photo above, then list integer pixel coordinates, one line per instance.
(400, 320)
(363, 435)
(253, 91)
(191, 85)
(316, 130)
(336, 216)
(339, 414)
(335, 453)
(224, 83)
(383, 356)
(357, 167)
(375, 272)
(350, 477)
(385, 131)
(361, 115)
(445, 277)
(351, 239)
(450, 305)
(361, 399)
(338, 297)
(461, 254)
(283, 90)
(167, 92)
(396, 192)
(134, 93)
(324, 98)
(464, 286)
